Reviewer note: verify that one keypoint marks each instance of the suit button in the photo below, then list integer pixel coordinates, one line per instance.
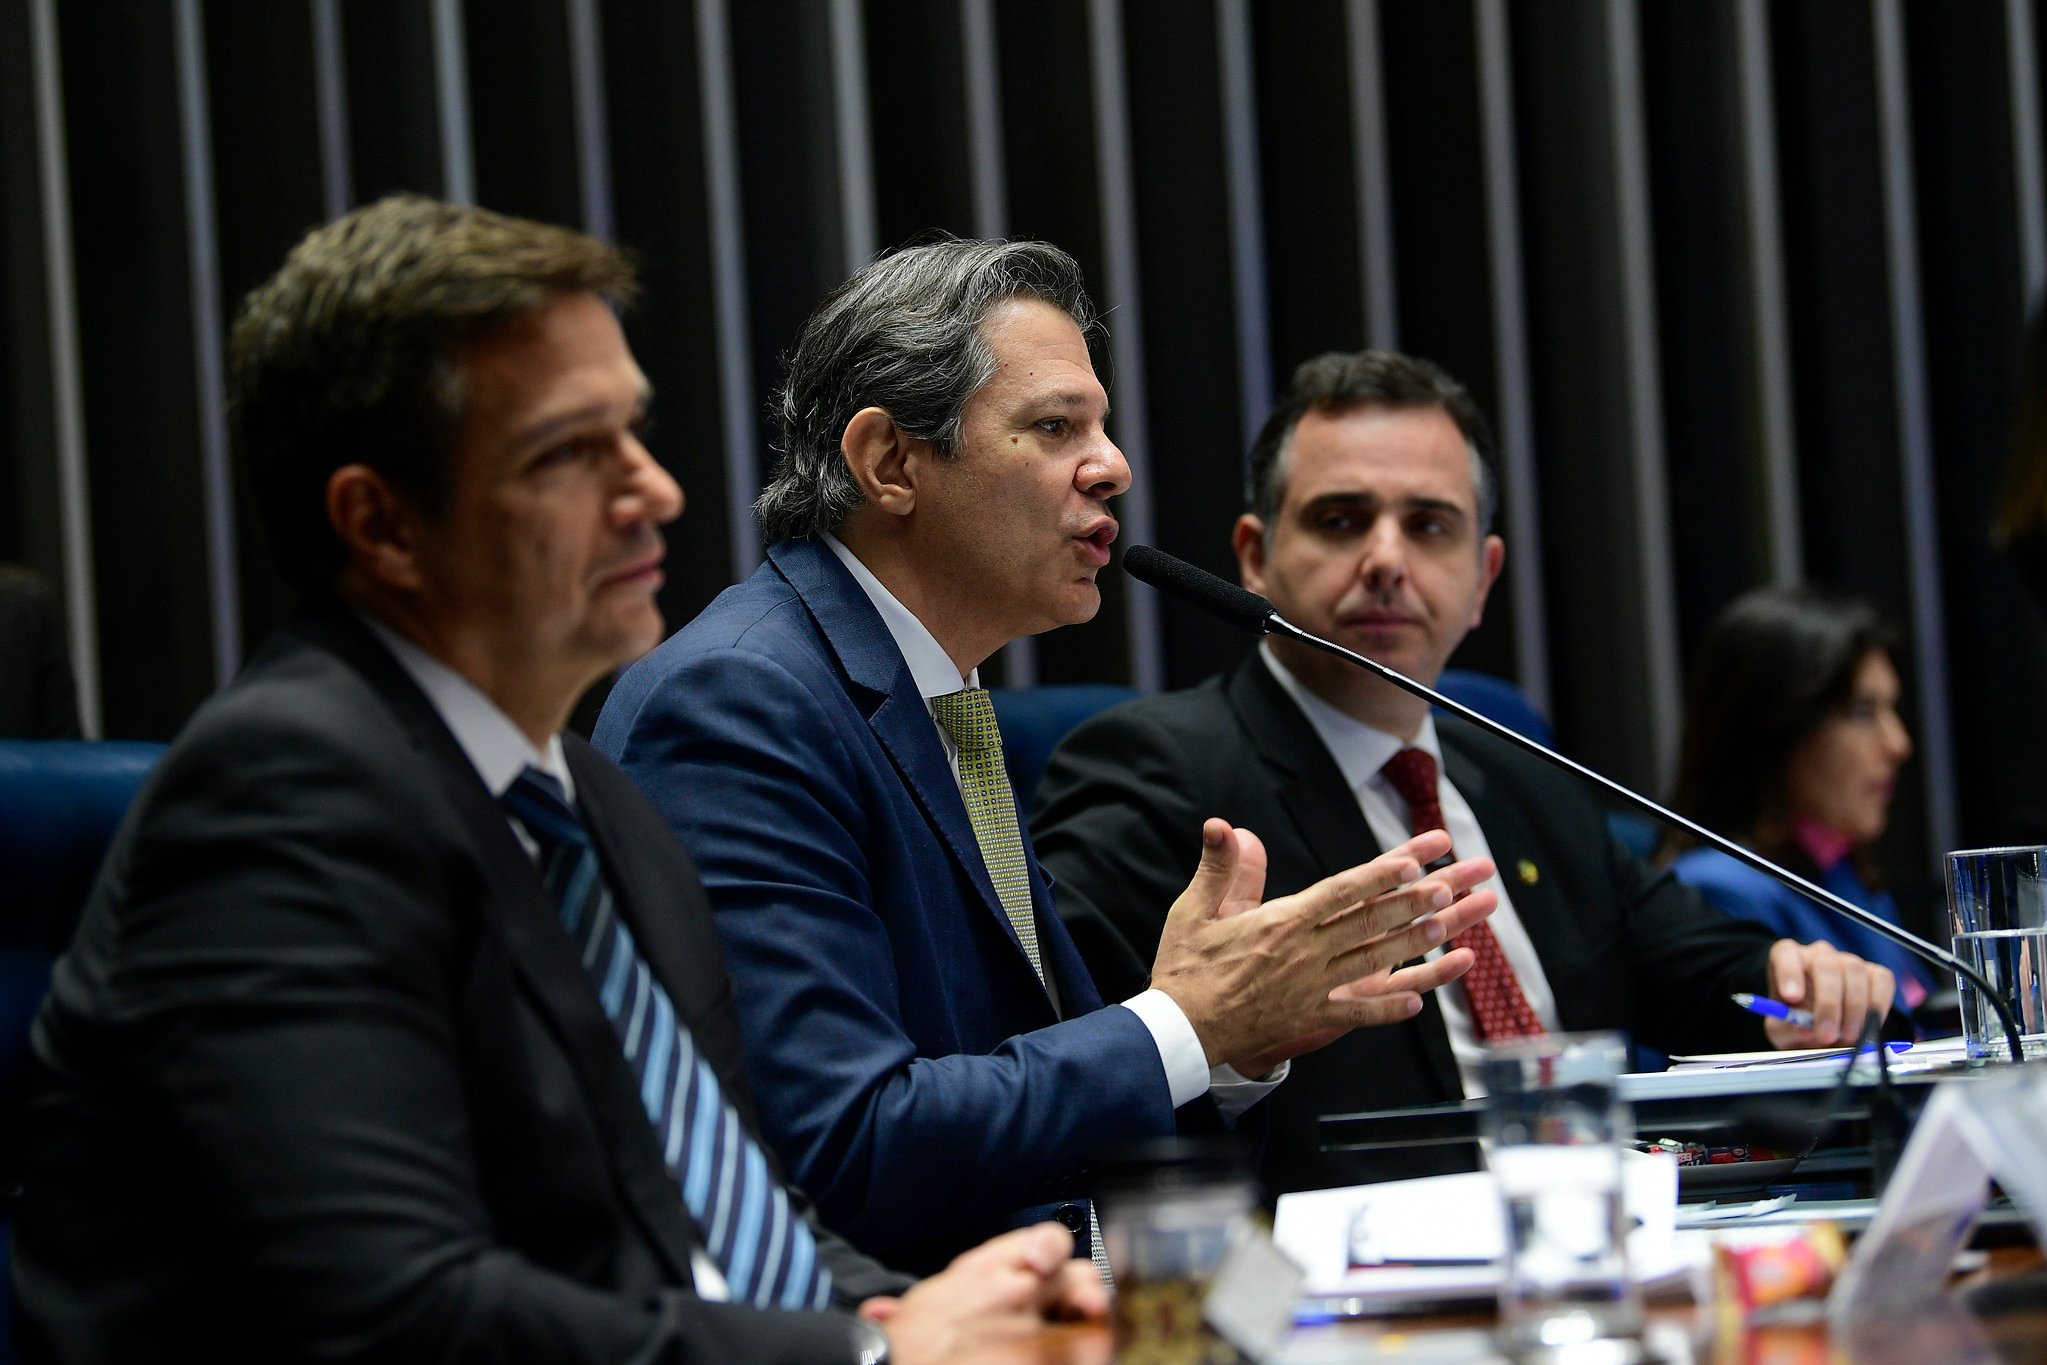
(1073, 1217)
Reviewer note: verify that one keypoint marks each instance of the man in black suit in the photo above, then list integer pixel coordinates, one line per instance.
(1369, 523)
(396, 1028)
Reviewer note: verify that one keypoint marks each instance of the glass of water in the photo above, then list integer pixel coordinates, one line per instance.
(1997, 908)
(1169, 1209)
(1555, 1126)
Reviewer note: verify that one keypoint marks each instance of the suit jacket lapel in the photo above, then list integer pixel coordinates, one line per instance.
(1302, 771)
(1539, 903)
(1325, 810)
(561, 992)
(899, 716)
(530, 929)
(644, 905)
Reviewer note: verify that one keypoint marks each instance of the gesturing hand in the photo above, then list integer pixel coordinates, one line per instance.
(1262, 982)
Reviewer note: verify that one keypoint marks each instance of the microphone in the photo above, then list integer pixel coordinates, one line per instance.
(1248, 611)
(1241, 607)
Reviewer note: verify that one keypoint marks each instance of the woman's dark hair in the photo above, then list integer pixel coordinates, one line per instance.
(1773, 666)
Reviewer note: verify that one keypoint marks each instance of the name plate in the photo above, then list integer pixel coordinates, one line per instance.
(1972, 1131)
(1250, 1302)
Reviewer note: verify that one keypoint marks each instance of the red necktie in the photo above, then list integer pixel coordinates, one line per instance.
(1498, 1008)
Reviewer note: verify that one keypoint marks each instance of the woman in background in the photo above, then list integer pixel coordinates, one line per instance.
(1792, 746)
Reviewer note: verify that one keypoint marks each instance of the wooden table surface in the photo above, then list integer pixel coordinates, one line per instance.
(2010, 1325)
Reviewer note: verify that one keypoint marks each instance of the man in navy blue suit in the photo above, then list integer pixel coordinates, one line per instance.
(932, 1060)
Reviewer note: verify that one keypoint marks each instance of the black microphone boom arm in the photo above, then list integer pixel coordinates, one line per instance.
(1240, 607)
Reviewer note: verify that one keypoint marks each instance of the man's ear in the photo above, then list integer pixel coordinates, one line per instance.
(1492, 556)
(883, 460)
(1247, 538)
(377, 528)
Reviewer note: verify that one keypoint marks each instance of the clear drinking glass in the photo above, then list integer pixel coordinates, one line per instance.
(1168, 1210)
(1997, 909)
(1555, 1126)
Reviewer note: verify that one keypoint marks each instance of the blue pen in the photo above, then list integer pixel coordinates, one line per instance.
(1773, 1009)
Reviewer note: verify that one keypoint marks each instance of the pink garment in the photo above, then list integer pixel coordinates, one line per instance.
(1827, 847)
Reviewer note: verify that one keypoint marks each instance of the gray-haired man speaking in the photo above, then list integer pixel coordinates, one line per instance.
(932, 1059)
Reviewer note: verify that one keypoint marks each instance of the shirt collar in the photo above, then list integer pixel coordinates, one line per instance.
(1360, 750)
(930, 665)
(497, 748)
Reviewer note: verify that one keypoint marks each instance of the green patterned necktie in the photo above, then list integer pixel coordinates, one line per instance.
(969, 717)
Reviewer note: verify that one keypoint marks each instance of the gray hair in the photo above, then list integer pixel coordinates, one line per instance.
(903, 335)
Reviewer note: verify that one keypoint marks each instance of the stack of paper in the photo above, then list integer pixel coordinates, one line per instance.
(1444, 1237)
(1756, 1073)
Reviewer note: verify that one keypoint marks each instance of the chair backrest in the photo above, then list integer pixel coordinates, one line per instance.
(1496, 699)
(1637, 833)
(1035, 719)
(60, 802)
(1500, 700)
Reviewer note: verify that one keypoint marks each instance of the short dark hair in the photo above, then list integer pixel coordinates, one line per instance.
(1338, 381)
(347, 354)
(1770, 669)
(903, 335)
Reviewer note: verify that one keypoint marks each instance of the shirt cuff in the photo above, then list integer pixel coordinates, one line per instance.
(1234, 1092)
(1188, 1074)
(1180, 1051)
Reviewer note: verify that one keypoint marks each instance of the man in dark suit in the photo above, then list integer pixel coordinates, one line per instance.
(396, 1028)
(1370, 515)
(933, 1061)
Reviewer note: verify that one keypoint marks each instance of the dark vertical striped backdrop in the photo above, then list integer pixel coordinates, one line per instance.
(1740, 280)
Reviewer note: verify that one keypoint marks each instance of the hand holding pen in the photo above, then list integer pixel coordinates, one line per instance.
(1773, 1009)
(1831, 991)
(1797, 1018)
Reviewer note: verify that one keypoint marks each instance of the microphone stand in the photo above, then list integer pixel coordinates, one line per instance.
(1275, 624)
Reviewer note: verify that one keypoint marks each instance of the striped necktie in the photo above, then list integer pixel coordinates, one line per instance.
(741, 1211)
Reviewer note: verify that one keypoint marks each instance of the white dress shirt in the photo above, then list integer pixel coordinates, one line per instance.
(1188, 1074)
(500, 751)
(1360, 752)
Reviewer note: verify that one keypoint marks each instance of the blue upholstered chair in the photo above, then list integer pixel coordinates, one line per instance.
(1496, 699)
(1035, 719)
(60, 802)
